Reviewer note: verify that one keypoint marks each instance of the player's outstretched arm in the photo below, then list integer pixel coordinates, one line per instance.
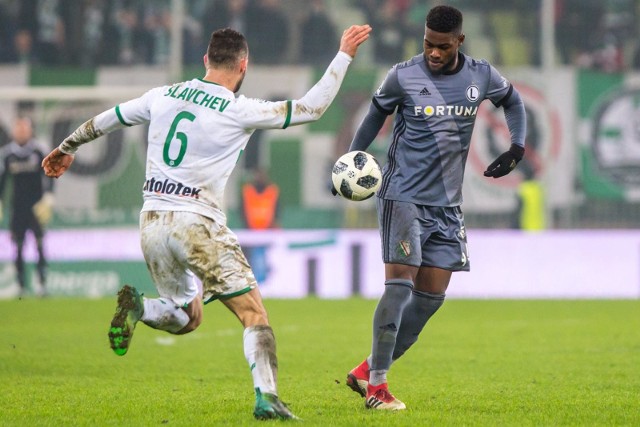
(135, 112)
(56, 163)
(315, 102)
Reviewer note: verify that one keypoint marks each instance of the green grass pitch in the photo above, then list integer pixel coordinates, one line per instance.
(478, 363)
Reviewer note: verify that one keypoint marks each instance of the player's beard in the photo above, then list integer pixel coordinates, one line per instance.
(239, 84)
(445, 67)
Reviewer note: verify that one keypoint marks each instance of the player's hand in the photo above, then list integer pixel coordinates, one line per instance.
(43, 209)
(56, 163)
(506, 162)
(353, 37)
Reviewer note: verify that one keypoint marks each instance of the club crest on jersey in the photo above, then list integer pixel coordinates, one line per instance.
(404, 248)
(473, 93)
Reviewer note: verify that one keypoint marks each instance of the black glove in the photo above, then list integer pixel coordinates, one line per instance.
(506, 162)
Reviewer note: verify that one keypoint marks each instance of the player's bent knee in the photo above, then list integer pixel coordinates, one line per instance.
(191, 326)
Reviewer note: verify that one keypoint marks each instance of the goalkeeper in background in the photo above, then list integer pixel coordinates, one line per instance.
(32, 196)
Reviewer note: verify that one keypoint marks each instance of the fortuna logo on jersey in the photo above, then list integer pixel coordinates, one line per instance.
(168, 187)
(472, 93)
(444, 110)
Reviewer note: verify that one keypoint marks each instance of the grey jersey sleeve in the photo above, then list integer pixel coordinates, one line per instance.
(516, 117)
(368, 129)
(502, 94)
(389, 95)
(384, 102)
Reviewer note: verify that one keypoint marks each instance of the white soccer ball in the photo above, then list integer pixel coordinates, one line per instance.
(356, 175)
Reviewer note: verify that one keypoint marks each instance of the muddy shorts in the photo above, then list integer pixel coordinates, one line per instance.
(178, 245)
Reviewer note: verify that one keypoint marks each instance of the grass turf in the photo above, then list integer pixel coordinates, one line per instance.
(484, 363)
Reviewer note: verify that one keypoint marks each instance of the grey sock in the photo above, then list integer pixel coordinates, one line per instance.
(386, 321)
(421, 306)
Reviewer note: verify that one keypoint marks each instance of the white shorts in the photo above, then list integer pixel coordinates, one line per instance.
(177, 245)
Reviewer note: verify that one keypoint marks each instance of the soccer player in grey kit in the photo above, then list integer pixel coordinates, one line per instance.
(435, 96)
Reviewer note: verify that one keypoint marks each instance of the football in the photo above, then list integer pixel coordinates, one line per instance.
(356, 175)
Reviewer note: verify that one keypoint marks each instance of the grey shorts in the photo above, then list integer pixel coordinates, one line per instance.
(177, 245)
(423, 236)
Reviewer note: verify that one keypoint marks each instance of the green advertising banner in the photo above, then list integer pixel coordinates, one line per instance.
(609, 150)
(92, 279)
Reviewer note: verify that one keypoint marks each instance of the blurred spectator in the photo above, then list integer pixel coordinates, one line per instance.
(605, 49)
(85, 22)
(41, 31)
(391, 29)
(318, 35)
(156, 18)
(193, 37)
(575, 23)
(260, 211)
(267, 32)
(226, 13)
(260, 200)
(617, 33)
(128, 42)
(7, 34)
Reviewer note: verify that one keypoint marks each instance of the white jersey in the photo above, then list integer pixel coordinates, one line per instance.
(197, 131)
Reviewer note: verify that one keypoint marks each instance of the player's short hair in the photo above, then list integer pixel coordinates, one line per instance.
(444, 19)
(226, 48)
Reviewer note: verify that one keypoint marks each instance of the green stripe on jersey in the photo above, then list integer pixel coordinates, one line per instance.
(119, 114)
(287, 120)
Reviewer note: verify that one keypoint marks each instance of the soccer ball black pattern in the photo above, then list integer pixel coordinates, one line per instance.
(356, 175)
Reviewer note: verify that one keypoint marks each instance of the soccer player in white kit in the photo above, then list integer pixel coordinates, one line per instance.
(197, 131)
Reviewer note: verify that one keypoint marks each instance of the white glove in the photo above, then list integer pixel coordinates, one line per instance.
(43, 209)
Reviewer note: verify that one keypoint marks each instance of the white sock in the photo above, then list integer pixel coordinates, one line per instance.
(378, 376)
(164, 314)
(260, 352)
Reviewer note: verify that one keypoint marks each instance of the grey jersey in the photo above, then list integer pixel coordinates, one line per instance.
(433, 125)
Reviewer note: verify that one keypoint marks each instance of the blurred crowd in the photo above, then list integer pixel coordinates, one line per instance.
(599, 34)
(120, 32)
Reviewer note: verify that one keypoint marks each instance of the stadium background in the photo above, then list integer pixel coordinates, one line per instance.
(575, 63)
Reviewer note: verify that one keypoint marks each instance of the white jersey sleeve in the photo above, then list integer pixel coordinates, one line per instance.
(259, 114)
(134, 112)
(130, 113)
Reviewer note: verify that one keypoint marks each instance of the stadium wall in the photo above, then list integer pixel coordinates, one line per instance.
(344, 263)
